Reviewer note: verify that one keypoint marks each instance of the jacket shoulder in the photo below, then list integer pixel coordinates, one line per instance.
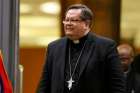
(101, 40)
(57, 42)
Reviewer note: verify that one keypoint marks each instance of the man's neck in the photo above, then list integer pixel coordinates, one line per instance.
(77, 41)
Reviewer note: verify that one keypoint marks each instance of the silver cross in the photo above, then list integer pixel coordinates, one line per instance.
(70, 83)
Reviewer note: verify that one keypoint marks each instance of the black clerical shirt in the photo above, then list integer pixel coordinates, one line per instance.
(74, 54)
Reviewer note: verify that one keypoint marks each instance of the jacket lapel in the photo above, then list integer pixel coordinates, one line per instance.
(62, 59)
(60, 63)
(87, 53)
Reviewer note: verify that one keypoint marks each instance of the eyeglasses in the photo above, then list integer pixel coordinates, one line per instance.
(72, 21)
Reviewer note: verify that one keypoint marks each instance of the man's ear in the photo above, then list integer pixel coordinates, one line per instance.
(132, 59)
(87, 23)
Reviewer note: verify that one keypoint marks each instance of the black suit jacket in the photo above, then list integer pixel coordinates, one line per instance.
(99, 73)
(133, 77)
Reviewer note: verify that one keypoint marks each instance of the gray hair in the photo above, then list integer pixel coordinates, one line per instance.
(86, 14)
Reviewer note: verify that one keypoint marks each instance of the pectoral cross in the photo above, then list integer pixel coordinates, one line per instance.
(70, 83)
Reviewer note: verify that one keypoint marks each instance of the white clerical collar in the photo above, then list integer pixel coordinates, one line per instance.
(76, 41)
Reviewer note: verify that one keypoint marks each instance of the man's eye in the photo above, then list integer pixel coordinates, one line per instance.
(75, 20)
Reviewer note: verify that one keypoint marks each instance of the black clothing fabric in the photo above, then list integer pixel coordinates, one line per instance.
(133, 77)
(130, 81)
(75, 53)
(99, 72)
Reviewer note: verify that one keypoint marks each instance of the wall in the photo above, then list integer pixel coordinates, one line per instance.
(32, 59)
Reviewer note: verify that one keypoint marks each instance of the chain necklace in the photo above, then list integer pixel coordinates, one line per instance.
(70, 81)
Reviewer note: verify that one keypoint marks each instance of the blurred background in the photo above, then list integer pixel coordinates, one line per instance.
(41, 23)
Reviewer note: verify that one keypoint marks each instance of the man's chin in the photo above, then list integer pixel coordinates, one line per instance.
(70, 37)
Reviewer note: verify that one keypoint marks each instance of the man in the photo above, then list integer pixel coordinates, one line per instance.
(126, 53)
(81, 62)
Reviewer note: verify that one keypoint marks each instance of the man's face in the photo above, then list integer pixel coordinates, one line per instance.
(125, 56)
(74, 27)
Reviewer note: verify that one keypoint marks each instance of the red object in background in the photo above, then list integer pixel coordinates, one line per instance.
(6, 84)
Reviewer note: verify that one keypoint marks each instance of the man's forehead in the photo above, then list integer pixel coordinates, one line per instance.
(124, 50)
(73, 12)
(125, 47)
